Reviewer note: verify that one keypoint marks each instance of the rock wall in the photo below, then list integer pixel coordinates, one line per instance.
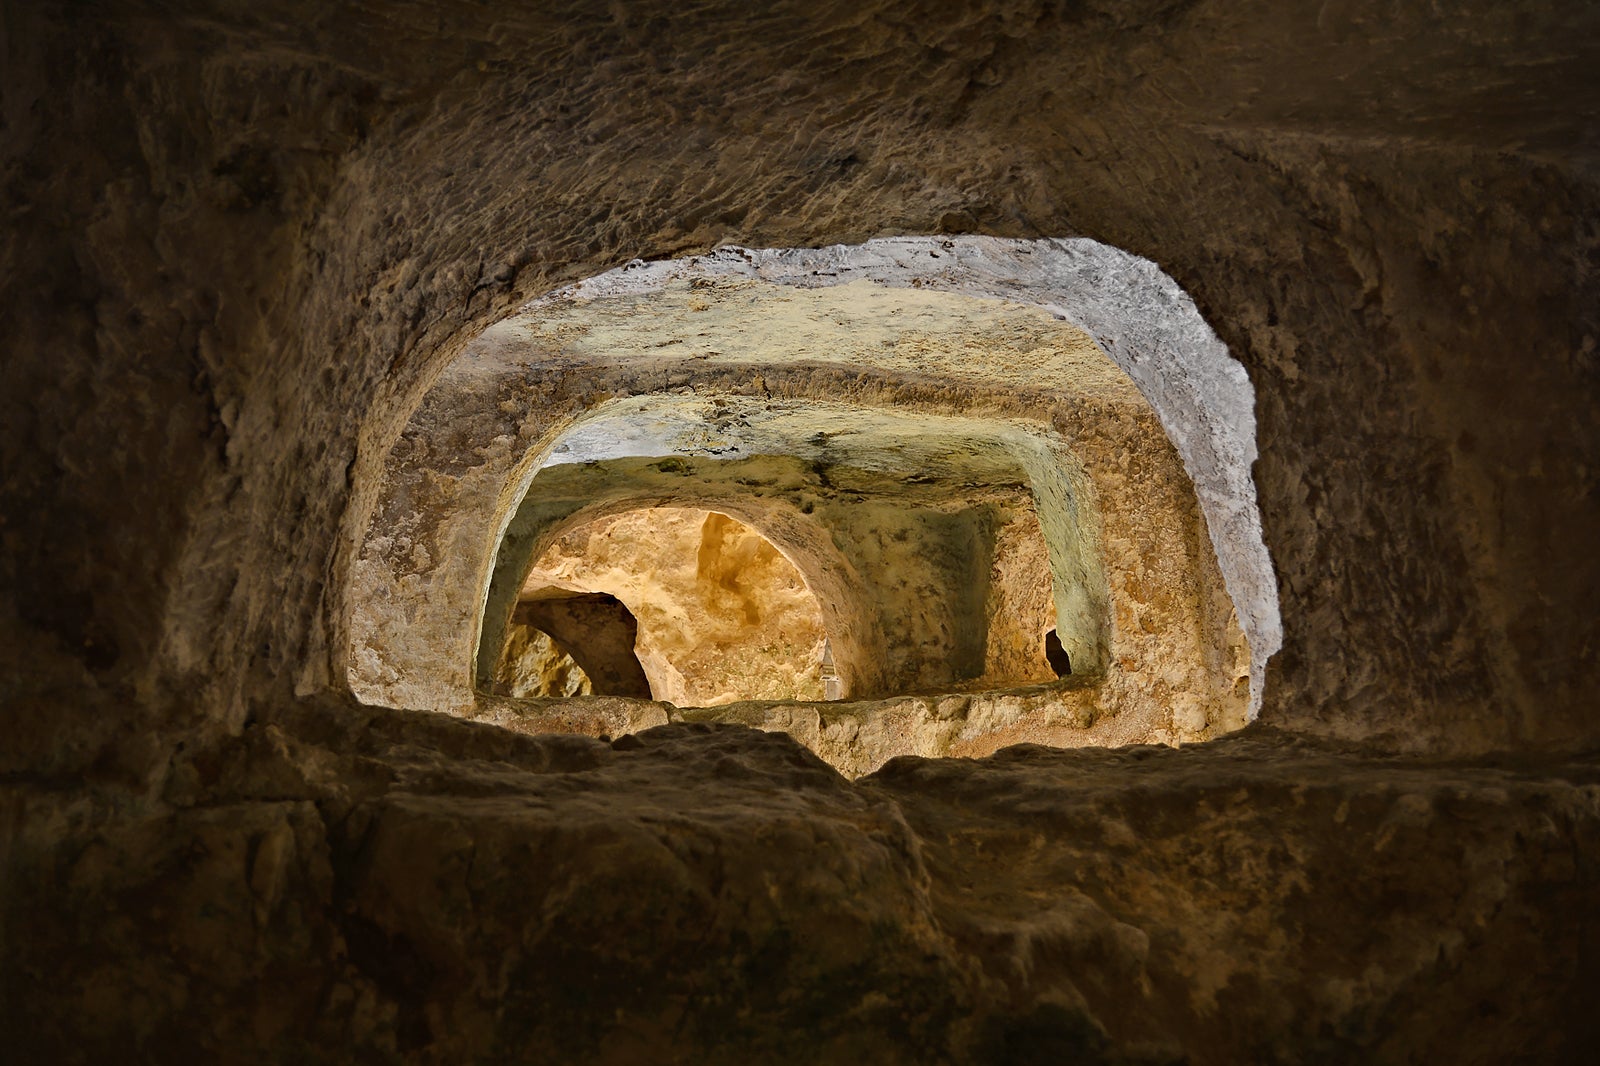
(243, 240)
(723, 616)
(340, 883)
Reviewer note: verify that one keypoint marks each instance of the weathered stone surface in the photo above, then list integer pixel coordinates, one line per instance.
(242, 241)
(723, 616)
(339, 884)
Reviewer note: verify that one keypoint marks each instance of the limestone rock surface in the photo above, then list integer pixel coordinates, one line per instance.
(243, 240)
(723, 616)
(339, 884)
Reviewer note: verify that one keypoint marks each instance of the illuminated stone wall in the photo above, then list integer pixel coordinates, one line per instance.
(723, 616)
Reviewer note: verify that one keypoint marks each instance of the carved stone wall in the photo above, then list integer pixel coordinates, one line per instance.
(244, 240)
(723, 615)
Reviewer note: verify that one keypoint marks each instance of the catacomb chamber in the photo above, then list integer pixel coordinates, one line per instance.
(919, 536)
(1013, 478)
(245, 241)
(695, 608)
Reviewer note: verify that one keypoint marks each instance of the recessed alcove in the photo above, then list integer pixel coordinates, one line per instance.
(1014, 476)
(714, 613)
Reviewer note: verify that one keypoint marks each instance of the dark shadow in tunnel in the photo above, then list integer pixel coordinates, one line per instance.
(1056, 655)
(598, 631)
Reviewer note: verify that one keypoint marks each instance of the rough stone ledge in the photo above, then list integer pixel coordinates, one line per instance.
(351, 884)
(855, 737)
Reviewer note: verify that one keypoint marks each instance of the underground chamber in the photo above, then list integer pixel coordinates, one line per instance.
(262, 454)
(913, 497)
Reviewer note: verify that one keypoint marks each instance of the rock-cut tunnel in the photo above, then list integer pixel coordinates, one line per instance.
(513, 550)
(1006, 485)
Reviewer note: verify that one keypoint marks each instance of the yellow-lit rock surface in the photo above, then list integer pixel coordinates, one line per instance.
(723, 616)
(533, 665)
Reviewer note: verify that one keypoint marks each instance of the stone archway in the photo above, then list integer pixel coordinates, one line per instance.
(595, 630)
(1141, 434)
(894, 521)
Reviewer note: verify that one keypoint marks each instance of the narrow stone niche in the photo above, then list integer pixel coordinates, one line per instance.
(989, 491)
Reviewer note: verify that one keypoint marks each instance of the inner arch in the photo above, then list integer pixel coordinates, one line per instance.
(721, 614)
(893, 520)
(1092, 358)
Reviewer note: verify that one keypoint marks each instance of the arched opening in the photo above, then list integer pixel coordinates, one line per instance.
(567, 642)
(714, 612)
(961, 445)
(920, 536)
